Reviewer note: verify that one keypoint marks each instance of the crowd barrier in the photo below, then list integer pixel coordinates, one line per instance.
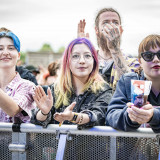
(33, 142)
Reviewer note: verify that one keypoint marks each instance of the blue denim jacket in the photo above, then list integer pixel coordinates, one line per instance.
(117, 116)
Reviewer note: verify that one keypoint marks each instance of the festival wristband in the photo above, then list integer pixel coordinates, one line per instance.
(74, 118)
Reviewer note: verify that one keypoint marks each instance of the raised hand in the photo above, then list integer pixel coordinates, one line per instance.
(113, 33)
(44, 102)
(81, 29)
(66, 115)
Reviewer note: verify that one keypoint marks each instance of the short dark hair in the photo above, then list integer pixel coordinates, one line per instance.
(105, 10)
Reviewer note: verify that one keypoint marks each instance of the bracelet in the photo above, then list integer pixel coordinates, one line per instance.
(81, 119)
(45, 114)
(74, 118)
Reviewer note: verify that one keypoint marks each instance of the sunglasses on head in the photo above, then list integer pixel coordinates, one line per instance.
(149, 56)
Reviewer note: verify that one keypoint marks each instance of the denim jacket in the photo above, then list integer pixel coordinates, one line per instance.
(117, 116)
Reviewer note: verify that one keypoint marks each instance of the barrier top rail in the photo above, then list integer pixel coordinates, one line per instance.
(72, 129)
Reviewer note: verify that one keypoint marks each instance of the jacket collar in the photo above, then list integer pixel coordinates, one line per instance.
(142, 76)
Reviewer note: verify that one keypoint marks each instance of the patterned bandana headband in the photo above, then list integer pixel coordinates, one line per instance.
(13, 37)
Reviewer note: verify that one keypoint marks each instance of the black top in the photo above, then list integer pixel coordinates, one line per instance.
(26, 74)
(89, 103)
(155, 101)
(106, 72)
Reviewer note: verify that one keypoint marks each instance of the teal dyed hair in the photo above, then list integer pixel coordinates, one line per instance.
(15, 39)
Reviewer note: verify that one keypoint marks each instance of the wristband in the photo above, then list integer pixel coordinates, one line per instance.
(45, 114)
(74, 118)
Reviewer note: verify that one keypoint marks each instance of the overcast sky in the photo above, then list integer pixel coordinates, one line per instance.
(37, 22)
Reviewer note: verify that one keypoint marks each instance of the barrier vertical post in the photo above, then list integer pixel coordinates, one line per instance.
(61, 147)
(113, 144)
(158, 141)
(18, 146)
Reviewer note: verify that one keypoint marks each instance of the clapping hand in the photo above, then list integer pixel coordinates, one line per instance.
(113, 33)
(44, 102)
(66, 115)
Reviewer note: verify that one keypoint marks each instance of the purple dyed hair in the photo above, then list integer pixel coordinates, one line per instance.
(68, 51)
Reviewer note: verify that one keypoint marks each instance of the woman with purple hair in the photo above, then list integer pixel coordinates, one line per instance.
(80, 95)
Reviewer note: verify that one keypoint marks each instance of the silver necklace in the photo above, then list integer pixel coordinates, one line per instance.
(105, 58)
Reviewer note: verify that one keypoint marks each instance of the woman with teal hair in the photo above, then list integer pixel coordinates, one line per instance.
(16, 99)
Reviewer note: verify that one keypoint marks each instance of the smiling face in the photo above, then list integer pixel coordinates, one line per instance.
(8, 53)
(81, 62)
(151, 69)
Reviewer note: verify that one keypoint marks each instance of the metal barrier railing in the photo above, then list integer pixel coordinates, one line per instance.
(34, 142)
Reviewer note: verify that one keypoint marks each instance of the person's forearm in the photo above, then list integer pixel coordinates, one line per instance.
(120, 62)
(8, 105)
(82, 119)
(40, 116)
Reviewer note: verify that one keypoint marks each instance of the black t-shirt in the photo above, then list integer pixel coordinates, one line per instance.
(155, 101)
(106, 72)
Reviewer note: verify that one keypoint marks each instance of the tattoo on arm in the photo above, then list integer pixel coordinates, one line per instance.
(115, 44)
(120, 64)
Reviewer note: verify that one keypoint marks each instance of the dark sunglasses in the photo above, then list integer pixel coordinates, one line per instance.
(149, 56)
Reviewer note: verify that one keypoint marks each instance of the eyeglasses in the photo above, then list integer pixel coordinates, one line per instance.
(149, 56)
(77, 57)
